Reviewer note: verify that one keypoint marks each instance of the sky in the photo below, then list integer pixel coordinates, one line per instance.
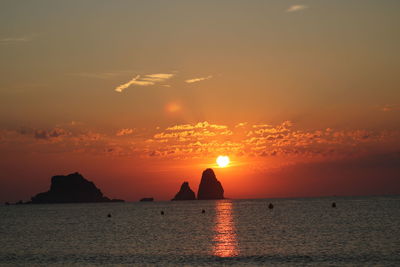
(140, 96)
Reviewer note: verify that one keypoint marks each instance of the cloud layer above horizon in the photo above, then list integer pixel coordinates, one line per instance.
(203, 139)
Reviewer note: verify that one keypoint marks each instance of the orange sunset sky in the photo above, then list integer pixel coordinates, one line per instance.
(139, 96)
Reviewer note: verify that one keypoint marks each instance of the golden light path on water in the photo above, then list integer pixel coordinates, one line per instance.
(225, 238)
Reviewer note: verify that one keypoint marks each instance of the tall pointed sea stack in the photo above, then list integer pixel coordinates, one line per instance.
(185, 193)
(210, 187)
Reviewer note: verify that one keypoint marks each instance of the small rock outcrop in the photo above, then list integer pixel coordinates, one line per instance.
(146, 199)
(185, 193)
(210, 187)
(72, 188)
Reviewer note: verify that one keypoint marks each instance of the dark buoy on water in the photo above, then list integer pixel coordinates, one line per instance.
(333, 205)
(203, 211)
(162, 212)
(109, 215)
(270, 206)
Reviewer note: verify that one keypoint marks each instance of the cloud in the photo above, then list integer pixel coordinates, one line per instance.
(262, 126)
(43, 134)
(124, 131)
(146, 80)
(195, 80)
(266, 140)
(134, 81)
(387, 108)
(12, 40)
(284, 142)
(159, 77)
(198, 125)
(241, 124)
(295, 8)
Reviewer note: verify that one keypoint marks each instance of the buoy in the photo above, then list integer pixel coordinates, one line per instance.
(270, 206)
(333, 205)
(162, 212)
(203, 211)
(109, 215)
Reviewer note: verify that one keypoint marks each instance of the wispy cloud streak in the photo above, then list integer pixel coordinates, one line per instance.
(12, 40)
(146, 80)
(295, 8)
(195, 80)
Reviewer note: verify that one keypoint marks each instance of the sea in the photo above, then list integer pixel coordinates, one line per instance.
(360, 231)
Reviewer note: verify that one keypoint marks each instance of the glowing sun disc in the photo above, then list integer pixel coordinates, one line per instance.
(223, 161)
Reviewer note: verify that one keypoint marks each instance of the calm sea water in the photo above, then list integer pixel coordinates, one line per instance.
(362, 231)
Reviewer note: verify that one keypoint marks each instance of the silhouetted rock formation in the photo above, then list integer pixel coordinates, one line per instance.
(210, 187)
(72, 188)
(185, 193)
(146, 199)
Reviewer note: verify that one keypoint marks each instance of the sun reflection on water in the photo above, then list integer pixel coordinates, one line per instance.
(225, 239)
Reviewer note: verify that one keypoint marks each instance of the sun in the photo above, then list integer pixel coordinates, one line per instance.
(223, 161)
